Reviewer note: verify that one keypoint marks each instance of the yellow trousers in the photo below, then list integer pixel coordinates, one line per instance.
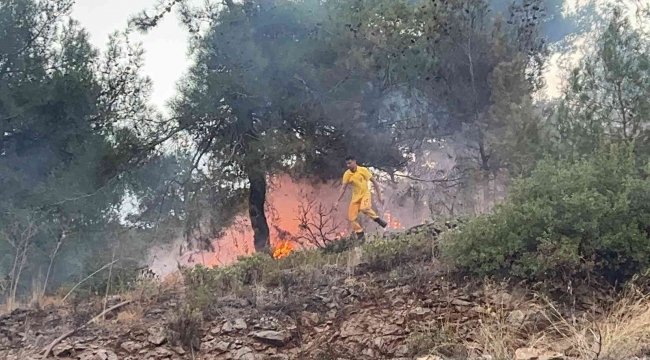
(365, 206)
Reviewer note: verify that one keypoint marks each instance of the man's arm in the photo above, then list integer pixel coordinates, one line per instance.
(344, 186)
(377, 189)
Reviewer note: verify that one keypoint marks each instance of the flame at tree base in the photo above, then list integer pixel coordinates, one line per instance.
(282, 250)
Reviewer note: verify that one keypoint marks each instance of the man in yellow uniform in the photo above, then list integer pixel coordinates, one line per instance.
(358, 177)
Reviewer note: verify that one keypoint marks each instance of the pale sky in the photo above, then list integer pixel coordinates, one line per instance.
(166, 45)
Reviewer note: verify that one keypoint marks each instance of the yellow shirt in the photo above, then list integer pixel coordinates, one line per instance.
(359, 181)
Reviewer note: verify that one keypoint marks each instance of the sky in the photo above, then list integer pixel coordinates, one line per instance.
(165, 46)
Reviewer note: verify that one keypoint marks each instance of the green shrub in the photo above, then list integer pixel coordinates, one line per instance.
(385, 254)
(204, 284)
(339, 246)
(587, 218)
(184, 326)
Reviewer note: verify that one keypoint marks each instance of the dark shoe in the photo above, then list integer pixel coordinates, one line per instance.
(381, 222)
(361, 238)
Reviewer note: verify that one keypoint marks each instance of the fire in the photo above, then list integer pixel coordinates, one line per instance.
(392, 222)
(285, 197)
(282, 250)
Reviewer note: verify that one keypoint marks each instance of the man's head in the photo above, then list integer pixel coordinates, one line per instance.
(351, 163)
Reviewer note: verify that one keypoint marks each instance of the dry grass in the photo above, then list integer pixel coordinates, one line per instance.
(171, 282)
(132, 315)
(621, 333)
(43, 302)
(36, 302)
(627, 329)
(5, 308)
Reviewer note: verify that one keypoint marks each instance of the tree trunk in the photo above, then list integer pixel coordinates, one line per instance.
(256, 201)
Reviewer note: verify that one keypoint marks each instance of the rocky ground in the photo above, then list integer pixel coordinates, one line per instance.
(410, 312)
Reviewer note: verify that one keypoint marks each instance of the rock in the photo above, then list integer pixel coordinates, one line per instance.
(397, 301)
(241, 353)
(276, 338)
(240, 324)
(279, 357)
(62, 350)
(106, 355)
(97, 355)
(131, 346)
(419, 312)
(383, 342)
(267, 323)
(516, 318)
(501, 299)
(219, 346)
(87, 356)
(390, 329)
(161, 353)
(156, 336)
(552, 356)
(459, 302)
(402, 351)
(527, 354)
(331, 314)
(310, 318)
(430, 357)
(369, 353)
(536, 354)
(350, 328)
(227, 328)
(80, 347)
(222, 346)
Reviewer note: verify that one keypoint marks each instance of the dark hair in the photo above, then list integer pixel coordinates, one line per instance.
(350, 157)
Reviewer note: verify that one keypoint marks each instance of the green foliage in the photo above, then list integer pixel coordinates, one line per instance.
(204, 284)
(567, 220)
(339, 246)
(66, 139)
(385, 254)
(607, 99)
(304, 268)
(185, 326)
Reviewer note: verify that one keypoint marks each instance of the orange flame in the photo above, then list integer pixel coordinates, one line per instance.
(285, 198)
(392, 222)
(282, 250)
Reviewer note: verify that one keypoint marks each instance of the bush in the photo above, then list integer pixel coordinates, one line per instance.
(587, 218)
(184, 326)
(386, 254)
(204, 285)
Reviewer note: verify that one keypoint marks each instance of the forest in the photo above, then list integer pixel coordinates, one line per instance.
(548, 187)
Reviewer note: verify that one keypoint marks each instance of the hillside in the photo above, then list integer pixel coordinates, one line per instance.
(386, 299)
